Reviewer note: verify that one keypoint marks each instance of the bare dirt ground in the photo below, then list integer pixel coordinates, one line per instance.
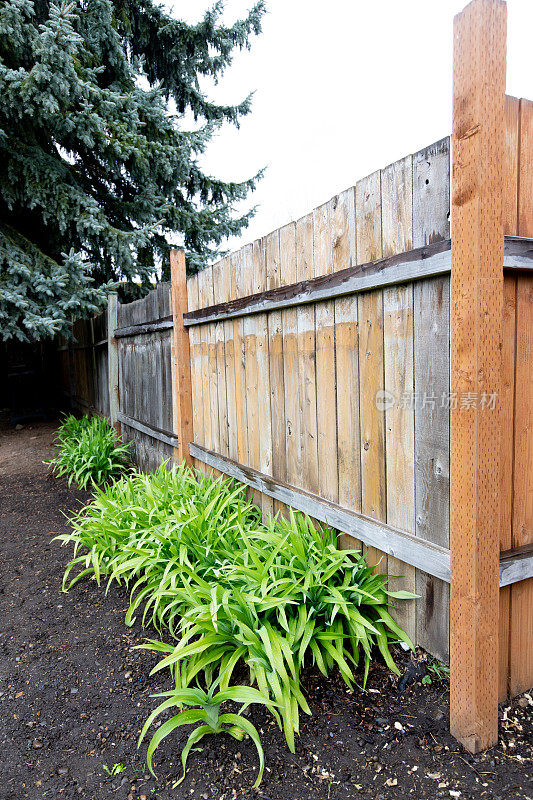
(74, 694)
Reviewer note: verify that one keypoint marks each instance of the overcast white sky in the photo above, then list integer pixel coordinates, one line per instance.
(342, 87)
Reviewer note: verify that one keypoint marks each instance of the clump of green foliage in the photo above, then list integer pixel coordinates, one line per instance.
(208, 713)
(89, 452)
(436, 672)
(233, 592)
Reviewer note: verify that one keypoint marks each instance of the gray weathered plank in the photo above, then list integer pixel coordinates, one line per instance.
(431, 214)
(149, 430)
(140, 328)
(514, 568)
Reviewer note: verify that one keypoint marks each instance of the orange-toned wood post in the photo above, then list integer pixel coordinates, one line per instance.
(476, 374)
(181, 363)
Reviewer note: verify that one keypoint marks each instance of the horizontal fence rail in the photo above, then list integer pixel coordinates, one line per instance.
(515, 565)
(150, 430)
(432, 558)
(145, 327)
(417, 264)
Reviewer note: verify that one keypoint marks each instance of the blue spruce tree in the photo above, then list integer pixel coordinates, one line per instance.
(98, 173)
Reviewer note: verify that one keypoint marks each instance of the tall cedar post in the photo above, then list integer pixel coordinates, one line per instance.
(479, 64)
(181, 364)
(112, 360)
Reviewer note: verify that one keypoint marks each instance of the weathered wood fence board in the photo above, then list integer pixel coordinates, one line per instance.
(521, 600)
(145, 377)
(320, 376)
(344, 398)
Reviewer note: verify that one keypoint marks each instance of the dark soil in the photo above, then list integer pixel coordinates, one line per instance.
(74, 694)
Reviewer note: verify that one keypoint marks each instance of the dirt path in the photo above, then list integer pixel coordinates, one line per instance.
(73, 694)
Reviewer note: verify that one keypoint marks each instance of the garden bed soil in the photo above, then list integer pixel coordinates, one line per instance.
(74, 694)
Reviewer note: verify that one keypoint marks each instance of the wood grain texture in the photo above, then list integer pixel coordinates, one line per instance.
(196, 365)
(431, 193)
(412, 265)
(181, 361)
(326, 411)
(251, 372)
(275, 356)
(347, 363)
(112, 360)
(207, 418)
(263, 374)
(476, 341)
(305, 269)
(229, 357)
(291, 385)
(510, 226)
(521, 603)
(397, 236)
(220, 295)
(237, 272)
(245, 286)
(431, 224)
(146, 375)
(371, 367)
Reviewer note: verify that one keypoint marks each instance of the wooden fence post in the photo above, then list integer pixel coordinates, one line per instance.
(181, 364)
(112, 360)
(476, 339)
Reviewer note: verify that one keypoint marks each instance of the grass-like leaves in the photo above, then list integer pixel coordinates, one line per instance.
(233, 592)
(89, 452)
(205, 708)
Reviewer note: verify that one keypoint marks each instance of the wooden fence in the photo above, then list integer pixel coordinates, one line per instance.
(349, 365)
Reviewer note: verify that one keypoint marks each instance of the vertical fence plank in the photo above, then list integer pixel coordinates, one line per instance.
(305, 269)
(371, 375)
(521, 632)
(249, 390)
(431, 222)
(237, 266)
(219, 296)
(397, 233)
(210, 334)
(196, 365)
(275, 355)
(347, 363)
(510, 226)
(263, 373)
(476, 339)
(328, 479)
(289, 323)
(181, 374)
(203, 299)
(112, 360)
(251, 374)
(229, 354)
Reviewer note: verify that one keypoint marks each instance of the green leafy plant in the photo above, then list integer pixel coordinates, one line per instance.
(116, 769)
(436, 672)
(205, 708)
(89, 452)
(234, 593)
(287, 600)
